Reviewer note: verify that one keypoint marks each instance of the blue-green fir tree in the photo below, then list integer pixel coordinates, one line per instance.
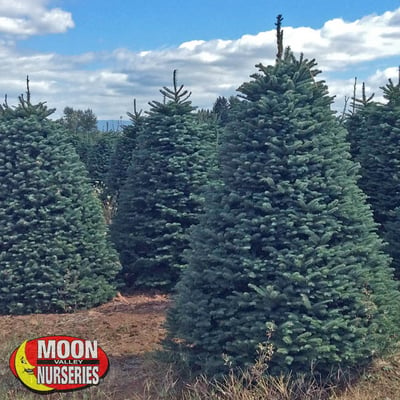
(99, 156)
(374, 134)
(287, 250)
(162, 195)
(122, 155)
(54, 251)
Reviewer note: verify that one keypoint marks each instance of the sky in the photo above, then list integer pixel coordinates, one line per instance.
(102, 54)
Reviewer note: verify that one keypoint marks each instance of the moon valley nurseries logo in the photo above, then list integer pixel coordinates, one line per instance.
(58, 363)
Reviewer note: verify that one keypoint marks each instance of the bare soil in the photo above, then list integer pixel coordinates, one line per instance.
(127, 328)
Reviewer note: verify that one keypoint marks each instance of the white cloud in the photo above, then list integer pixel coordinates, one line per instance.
(191, 45)
(107, 82)
(23, 18)
(384, 75)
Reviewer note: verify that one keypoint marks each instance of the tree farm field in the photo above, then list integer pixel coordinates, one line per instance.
(130, 328)
(285, 291)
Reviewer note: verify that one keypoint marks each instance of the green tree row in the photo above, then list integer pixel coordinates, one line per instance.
(55, 255)
(374, 135)
(161, 197)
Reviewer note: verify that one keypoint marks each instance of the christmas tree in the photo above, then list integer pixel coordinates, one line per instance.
(99, 156)
(122, 155)
(54, 252)
(374, 134)
(162, 196)
(287, 251)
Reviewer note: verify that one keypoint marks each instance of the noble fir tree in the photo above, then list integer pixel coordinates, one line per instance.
(162, 196)
(122, 155)
(354, 118)
(98, 158)
(374, 134)
(221, 110)
(287, 250)
(54, 253)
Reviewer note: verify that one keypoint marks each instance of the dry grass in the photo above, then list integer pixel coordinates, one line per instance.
(127, 326)
(160, 382)
(380, 382)
(167, 386)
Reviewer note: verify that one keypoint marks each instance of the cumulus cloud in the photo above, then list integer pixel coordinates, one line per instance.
(107, 82)
(23, 18)
(218, 67)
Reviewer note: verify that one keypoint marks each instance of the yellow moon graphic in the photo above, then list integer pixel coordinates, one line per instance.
(25, 371)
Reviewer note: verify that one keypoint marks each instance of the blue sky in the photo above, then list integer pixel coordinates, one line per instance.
(101, 54)
(143, 25)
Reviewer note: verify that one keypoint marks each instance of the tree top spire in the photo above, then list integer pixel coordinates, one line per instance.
(177, 96)
(279, 37)
(136, 115)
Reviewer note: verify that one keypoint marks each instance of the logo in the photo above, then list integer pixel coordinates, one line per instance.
(59, 363)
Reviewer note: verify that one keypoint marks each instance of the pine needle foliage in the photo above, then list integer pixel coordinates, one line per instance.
(374, 134)
(287, 247)
(54, 253)
(122, 155)
(162, 196)
(99, 157)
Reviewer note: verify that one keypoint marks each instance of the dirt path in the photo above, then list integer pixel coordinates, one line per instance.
(126, 328)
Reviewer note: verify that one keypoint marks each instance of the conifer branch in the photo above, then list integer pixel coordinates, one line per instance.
(279, 37)
(343, 116)
(365, 100)
(353, 104)
(359, 102)
(175, 84)
(135, 111)
(398, 77)
(136, 115)
(28, 92)
(363, 95)
(177, 95)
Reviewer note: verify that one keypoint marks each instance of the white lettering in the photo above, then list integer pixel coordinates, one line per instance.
(95, 373)
(91, 349)
(72, 375)
(46, 349)
(41, 378)
(63, 349)
(77, 349)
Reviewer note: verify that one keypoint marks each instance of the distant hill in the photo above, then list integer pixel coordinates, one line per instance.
(106, 125)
